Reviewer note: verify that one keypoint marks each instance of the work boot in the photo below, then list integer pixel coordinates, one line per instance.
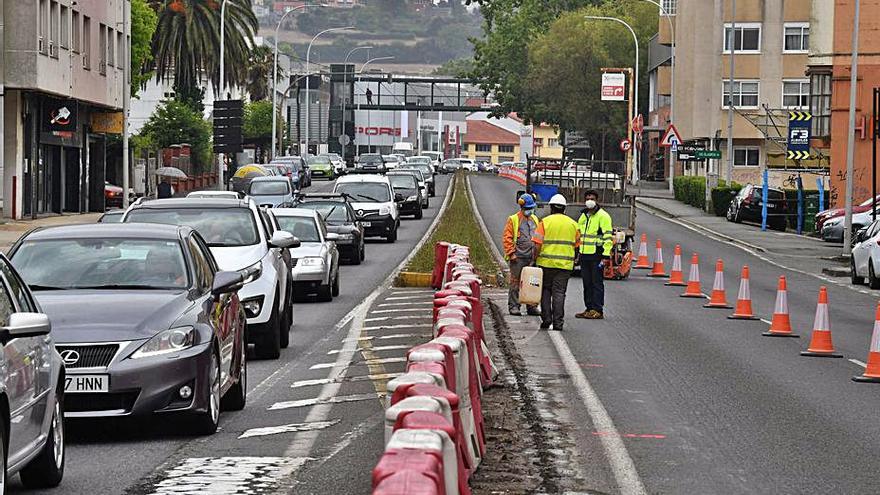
(583, 315)
(532, 311)
(515, 312)
(594, 315)
(545, 326)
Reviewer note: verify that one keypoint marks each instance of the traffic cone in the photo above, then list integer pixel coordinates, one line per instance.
(642, 263)
(693, 286)
(658, 270)
(719, 297)
(872, 370)
(820, 343)
(743, 299)
(780, 326)
(676, 276)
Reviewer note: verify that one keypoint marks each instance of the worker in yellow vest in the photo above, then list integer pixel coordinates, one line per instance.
(556, 243)
(519, 249)
(595, 251)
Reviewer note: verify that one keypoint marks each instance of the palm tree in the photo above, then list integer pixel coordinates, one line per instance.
(259, 71)
(187, 40)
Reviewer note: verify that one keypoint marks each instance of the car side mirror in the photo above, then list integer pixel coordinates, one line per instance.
(860, 235)
(22, 325)
(398, 197)
(226, 283)
(284, 239)
(332, 236)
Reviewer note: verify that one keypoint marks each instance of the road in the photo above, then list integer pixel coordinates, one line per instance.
(136, 456)
(704, 404)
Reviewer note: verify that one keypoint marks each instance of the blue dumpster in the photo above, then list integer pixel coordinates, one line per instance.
(545, 191)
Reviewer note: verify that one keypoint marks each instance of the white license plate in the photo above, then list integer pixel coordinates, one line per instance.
(86, 383)
(367, 224)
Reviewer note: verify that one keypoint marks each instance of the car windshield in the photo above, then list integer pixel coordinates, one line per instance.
(419, 161)
(370, 159)
(331, 211)
(422, 171)
(141, 264)
(319, 160)
(220, 227)
(407, 182)
(303, 228)
(269, 188)
(373, 192)
(112, 217)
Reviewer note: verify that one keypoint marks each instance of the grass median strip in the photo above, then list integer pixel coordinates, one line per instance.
(457, 225)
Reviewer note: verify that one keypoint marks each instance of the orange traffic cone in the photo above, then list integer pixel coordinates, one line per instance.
(642, 263)
(676, 276)
(820, 344)
(693, 286)
(719, 297)
(744, 299)
(872, 370)
(780, 326)
(658, 270)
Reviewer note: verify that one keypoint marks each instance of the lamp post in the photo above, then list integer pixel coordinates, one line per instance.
(635, 172)
(730, 108)
(308, 96)
(668, 15)
(221, 165)
(126, 103)
(275, 76)
(345, 92)
(368, 62)
(851, 137)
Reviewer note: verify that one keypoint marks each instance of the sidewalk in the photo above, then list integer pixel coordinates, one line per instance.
(807, 253)
(11, 230)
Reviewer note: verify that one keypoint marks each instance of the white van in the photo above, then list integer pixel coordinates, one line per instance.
(374, 202)
(405, 149)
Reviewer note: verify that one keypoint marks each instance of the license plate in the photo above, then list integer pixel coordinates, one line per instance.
(771, 205)
(86, 383)
(367, 224)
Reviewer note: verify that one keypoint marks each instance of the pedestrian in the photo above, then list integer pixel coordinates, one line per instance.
(164, 189)
(369, 96)
(596, 241)
(556, 243)
(519, 250)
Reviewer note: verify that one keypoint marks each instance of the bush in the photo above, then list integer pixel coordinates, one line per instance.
(721, 198)
(690, 190)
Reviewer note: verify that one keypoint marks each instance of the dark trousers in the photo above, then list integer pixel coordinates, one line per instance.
(553, 290)
(516, 267)
(594, 282)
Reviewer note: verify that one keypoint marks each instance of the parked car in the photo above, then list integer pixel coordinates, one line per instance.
(272, 192)
(407, 187)
(392, 161)
(825, 215)
(112, 216)
(322, 167)
(832, 230)
(865, 258)
(170, 335)
(371, 162)
(467, 164)
(242, 238)
(337, 161)
(340, 219)
(487, 167)
(216, 194)
(374, 202)
(299, 167)
(427, 172)
(316, 260)
(450, 166)
(423, 184)
(748, 204)
(32, 382)
(112, 196)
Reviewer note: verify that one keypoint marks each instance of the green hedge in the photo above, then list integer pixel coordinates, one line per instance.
(692, 190)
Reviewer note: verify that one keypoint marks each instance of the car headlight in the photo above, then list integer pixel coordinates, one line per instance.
(171, 340)
(411, 198)
(252, 272)
(252, 306)
(312, 261)
(385, 210)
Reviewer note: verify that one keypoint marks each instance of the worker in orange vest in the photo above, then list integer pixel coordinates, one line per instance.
(519, 250)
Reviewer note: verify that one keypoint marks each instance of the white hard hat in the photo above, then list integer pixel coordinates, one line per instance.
(558, 200)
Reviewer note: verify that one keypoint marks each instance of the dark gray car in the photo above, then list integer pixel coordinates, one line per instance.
(143, 319)
(272, 192)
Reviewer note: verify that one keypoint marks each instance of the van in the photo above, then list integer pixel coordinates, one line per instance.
(403, 148)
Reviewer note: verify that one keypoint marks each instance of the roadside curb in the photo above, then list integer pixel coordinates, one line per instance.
(499, 258)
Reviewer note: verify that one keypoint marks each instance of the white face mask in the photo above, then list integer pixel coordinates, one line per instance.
(590, 204)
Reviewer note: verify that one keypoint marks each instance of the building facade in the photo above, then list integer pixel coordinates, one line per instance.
(63, 78)
(489, 143)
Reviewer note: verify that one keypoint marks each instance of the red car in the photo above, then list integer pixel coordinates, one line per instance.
(825, 215)
(112, 196)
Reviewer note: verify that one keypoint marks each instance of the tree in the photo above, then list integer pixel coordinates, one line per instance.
(176, 123)
(187, 41)
(257, 124)
(459, 67)
(259, 71)
(143, 25)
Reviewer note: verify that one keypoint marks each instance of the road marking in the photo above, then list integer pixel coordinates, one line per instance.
(629, 435)
(380, 348)
(226, 475)
(622, 466)
(368, 362)
(291, 404)
(766, 321)
(398, 318)
(404, 298)
(856, 361)
(410, 291)
(392, 327)
(291, 428)
(399, 310)
(344, 379)
(394, 336)
(414, 303)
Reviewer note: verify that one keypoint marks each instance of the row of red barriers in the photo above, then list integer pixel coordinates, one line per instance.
(434, 432)
(514, 173)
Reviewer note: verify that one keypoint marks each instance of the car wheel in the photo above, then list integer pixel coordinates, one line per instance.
(363, 254)
(854, 276)
(357, 255)
(47, 469)
(432, 192)
(392, 237)
(236, 397)
(737, 218)
(206, 423)
(269, 345)
(335, 291)
(3, 442)
(419, 215)
(287, 320)
(873, 281)
(325, 293)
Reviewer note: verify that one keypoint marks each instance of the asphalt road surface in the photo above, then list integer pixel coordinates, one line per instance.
(704, 404)
(335, 453)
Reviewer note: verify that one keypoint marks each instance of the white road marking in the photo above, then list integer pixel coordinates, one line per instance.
(291, 428)
(399, 310)
(392, 327)
(766, 321)
(404, 298)
(323, 366)
(856, 361)
(226, 475)
(398, 318)
(381, 348)
(393, 336)
(622, 466)
(345, 379)
(423, 304)
(321, 400)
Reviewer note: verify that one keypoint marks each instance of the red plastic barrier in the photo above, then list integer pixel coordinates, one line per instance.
(397, 460)
(407, 483)
(467, 335)
(441, 252)
(448, 361)
(434, 368)
(421, 420)
(454, 402)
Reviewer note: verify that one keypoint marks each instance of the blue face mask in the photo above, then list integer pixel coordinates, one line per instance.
(528, 213)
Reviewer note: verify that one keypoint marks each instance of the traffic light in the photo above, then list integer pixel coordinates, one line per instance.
(228, 116)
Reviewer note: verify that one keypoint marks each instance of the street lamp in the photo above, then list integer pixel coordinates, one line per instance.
(275, 76)
(345, 93)
(368, 62)
(308, 97)
(222, 156)
(635, 173)
(668, 16)
(851, 137)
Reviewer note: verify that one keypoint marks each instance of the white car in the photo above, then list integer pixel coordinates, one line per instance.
(467, 164)
(315, 267)
(865, 259)
(242, 237)
(374, 203)
(216, 194)
(435, 156)
(337, 161)
(392, 161)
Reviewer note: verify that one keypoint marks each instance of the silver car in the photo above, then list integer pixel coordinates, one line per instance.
(272, 192)
(316, 260)
(32, 385)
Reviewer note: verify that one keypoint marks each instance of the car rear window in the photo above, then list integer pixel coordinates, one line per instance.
(330, 211)
(401, 181)
(373, 192)
(269, 188)
(220, 227)
(303, 228)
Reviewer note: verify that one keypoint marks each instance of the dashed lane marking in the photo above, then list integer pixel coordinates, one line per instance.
(630, 435)
(226, 475)
(344, 379)
(399, 318)
(406, 298)
(375, 349)
(393, 336)
(856, 361)
(291, 404)
(422, 304)
(291, 428)
(368, 362)
(398, 310)
(392, 327)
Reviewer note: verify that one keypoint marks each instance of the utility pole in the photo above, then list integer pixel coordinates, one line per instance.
(851, 137)
(126, 97)
(729, 174)
(221, 166)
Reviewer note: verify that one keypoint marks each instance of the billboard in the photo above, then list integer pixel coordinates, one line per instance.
(613, 86)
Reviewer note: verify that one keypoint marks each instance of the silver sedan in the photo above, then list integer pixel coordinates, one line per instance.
(315, 263)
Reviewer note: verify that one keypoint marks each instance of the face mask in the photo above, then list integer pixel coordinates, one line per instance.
(590, 204)
(528, 213)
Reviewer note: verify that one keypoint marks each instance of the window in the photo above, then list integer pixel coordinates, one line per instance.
(102, 49)
(43, 26)
(464, 146)
(553, 143)
(539, 142)
(505, 148)
(796, 94)
(111, 47)
(797, 37)
(76, 42)
(204, 274)
(64, 40)
(820, 103)
(746, 157)
(54, 29)
(669, 6)
(120, 51)
(6, 307)
(747, 39)
(745, 94)
(485, 148)
(87, 42)
(17, 288)
(502, 159)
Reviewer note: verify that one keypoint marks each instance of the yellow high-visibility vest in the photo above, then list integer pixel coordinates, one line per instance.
(560, 239)
(596, 230)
